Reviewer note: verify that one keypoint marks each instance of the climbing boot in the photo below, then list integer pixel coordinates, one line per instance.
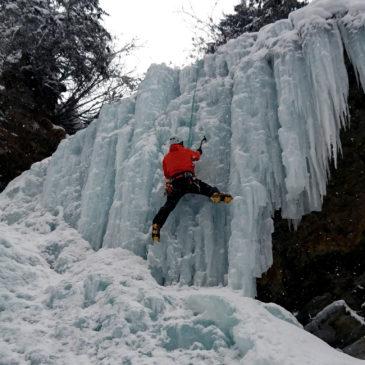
(216, 198)
(155, 233)
(226, 198)
(221, 197)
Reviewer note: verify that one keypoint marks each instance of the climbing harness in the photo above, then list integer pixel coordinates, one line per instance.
(168, 187)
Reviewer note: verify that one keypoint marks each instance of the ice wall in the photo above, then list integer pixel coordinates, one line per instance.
(271, 104)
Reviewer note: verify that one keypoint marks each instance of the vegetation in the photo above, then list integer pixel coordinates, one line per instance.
(57, 58)
(58, 65)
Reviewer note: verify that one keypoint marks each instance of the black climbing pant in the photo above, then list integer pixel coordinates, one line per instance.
(182, 186)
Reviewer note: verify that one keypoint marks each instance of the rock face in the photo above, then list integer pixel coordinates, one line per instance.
(356, 349)
(324, 260)
(338, 325)
(341, 327)
(21, 146)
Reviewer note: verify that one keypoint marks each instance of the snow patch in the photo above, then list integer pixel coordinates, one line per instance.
(272, 105)
(106, 308)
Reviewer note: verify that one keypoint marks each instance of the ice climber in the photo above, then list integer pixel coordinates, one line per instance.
(179, 171)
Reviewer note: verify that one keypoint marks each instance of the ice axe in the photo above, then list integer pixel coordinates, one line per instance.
(204, 140)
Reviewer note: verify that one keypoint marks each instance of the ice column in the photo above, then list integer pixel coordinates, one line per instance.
(353, 33)
(67, 174)
(98, 193)
(255, 165)
(130, 216)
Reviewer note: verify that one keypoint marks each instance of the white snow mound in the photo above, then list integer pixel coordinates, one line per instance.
(62, 303)
(271, 104)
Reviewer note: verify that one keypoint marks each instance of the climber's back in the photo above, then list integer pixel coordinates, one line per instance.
(178, 160)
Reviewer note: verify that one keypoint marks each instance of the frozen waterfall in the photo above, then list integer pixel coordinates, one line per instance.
(271, 104)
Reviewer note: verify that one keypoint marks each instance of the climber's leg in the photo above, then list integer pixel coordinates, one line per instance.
(165, 210)
(200, 187)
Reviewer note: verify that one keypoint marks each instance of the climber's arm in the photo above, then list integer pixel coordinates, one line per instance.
(195, 155)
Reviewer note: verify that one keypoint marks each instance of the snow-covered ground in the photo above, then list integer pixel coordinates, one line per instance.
(63, 303)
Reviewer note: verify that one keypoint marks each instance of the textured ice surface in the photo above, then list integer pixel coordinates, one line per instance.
(61, 303)
(271, 104)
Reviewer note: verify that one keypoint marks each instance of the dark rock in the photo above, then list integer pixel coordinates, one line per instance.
(311, 309)
(337, 324)
(20, 147)
(357, 349)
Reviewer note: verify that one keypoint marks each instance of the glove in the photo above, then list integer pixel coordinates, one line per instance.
(200, 150)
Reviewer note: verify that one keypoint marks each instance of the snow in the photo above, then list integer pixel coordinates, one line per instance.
(12, 6)
(57, 127)
(326, 312)
(326, 9)
(63, 303)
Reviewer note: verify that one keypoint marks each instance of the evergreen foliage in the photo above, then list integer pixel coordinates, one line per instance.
(57, 59)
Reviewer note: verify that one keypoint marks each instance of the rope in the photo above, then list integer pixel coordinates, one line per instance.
(192, 115)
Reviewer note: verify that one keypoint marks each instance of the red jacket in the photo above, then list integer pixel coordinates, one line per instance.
(178, 160)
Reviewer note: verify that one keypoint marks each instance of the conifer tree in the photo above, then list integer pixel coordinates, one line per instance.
(58, 66)
(56, 56)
